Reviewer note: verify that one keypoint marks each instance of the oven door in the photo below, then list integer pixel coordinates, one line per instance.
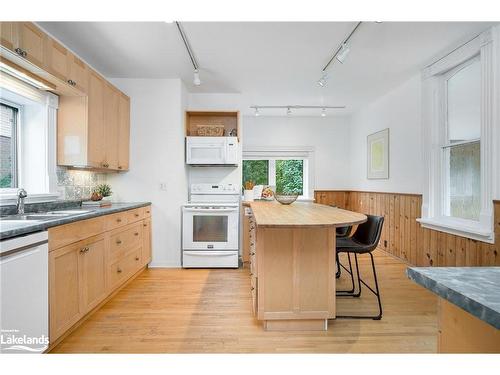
(210, 228)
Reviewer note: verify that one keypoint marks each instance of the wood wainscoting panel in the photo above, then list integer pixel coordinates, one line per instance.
(404, 238)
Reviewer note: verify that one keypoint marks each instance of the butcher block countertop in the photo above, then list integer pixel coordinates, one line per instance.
(302, 214)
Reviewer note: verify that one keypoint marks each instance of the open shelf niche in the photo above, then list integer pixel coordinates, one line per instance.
(229, 119)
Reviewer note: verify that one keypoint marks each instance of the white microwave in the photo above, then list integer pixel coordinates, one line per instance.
(212, 150)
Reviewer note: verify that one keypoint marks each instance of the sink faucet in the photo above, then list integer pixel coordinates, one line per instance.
(21, 194)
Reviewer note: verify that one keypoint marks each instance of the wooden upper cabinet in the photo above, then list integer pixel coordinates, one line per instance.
(9, 34)
(96, 139)
(78, 73)
(56, 57)
(31, 42)
(111, 98)
(123, 132)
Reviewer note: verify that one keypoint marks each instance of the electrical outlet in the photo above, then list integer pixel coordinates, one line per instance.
(163, 186)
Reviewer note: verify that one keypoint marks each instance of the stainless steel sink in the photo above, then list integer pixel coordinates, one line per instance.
(41, 216)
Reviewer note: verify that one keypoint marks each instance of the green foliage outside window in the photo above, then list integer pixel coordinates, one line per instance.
(256, 171)
(290, 176)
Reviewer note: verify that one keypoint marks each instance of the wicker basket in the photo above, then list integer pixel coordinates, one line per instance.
(210, 130)
(284, 198)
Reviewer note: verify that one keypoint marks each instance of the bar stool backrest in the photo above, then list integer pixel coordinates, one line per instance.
(369, 232)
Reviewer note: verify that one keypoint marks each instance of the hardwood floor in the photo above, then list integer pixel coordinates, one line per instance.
(210, 311)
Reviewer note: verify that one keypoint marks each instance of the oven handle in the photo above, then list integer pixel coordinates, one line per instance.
(210, 209)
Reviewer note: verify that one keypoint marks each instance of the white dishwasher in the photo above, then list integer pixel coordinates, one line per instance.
(24, 294)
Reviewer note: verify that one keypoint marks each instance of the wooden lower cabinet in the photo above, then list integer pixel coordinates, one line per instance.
(147, 238)
(82, 274)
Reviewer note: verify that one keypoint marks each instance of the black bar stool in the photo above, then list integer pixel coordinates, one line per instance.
(341, 232)
(364, 241)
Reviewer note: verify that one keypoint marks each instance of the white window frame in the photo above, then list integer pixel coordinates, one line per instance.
(16, 140)
(286, 153)
(484, 47)
(11, 89)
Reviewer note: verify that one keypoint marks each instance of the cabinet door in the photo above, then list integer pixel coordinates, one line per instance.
(56, 58)
(96, 142)
(93, 273)
(78, 72)
(123, 132)
(146, 247)
(9, 34)
(64, 289)
(111, 98)
(31, 41)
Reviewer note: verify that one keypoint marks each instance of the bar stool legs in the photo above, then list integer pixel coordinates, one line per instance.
(375, 291)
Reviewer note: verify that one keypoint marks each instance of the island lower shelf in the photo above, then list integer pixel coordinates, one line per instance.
(292, 263)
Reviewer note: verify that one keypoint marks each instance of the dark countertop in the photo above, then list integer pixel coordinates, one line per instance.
(474, 289)
(22, 227)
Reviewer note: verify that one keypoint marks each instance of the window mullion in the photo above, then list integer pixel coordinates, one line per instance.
(272, 172)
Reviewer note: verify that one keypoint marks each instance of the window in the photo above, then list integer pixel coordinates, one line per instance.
(28, 141)
(458, 112)
(8, 146)
(284, 174)
(461, 151)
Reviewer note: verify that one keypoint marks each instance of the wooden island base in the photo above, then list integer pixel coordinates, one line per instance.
(296, 325)
(292, 263)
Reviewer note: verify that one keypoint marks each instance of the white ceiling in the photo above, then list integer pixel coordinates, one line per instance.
(269, 63)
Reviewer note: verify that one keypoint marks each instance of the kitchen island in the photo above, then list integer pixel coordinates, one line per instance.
(292, 263)
(468, 306)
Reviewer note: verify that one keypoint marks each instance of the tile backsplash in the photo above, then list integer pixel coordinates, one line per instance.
(77, 184)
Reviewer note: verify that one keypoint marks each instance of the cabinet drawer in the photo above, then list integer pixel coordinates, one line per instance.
(135, 215)
(124, 240)
(121, 270)
(146, 211)
(116, 220)
(66, 234)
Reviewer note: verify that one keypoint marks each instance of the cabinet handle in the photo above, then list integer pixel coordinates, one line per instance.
(118, 242)
(119, 270)
(21, 52)
(84, 249)
(73, 83)
(120, 167)
(25, 53)
(105, 165)
(252, 288)
(70, 82)
(136, 258)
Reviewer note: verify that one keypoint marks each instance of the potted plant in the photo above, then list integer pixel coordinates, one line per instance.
(101, 191)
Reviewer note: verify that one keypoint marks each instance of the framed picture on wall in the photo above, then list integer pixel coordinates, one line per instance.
(378, 155)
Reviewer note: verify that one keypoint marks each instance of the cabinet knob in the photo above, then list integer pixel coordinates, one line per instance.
(145, 224)
(120, 167)
(136, 215)
(84, 249)
(119, 270)
(21, 52)
(118, 242)
(252, 253)
(136, 258)
(136, 233)
(252, 288)
(118, 220)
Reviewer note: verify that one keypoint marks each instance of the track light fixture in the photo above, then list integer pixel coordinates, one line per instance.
(196, 75)
(289, 108)
(344, 51)
(339, 55)
(323, 80)
(196, 78)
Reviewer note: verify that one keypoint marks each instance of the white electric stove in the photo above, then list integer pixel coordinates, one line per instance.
(210, 226)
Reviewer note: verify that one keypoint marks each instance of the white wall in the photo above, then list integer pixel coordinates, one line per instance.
(329, 136)
(156, 156)
(400, 111)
